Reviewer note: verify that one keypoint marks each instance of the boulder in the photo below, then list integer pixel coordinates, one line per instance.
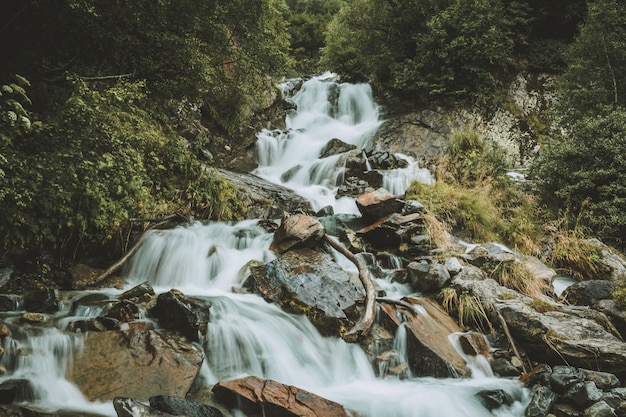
(297, 231)
(137, 364)
(385, 161)
(42, 301)
(310, 282)
(588, 293)
(575, 335)
(336, 146)
(177, 312)
(427, 277)
(253, 395)
(264, 199)
(541, 401)
(16, 390)
(430, 351)
(141, 293)
(378, 204)
(599, 409)
(391, 231)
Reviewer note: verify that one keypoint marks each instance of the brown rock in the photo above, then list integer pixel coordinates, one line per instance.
(378, 204)
(297, 231)
(266, 397)
(428, 326)
(137, 364)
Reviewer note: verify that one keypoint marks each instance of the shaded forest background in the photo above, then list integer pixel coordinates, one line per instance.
(107, 107)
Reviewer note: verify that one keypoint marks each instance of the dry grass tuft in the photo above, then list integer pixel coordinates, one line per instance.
(516, 276)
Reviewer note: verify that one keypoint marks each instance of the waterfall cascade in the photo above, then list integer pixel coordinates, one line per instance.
(248, 336)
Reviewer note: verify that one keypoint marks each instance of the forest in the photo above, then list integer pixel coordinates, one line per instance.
(106, 106)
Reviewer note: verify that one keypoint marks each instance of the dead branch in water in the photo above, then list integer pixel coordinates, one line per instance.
(363, 326)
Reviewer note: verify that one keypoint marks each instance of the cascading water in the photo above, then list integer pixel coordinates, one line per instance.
(248, 336)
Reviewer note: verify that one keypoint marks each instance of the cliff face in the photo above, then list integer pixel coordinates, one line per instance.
(517, 124)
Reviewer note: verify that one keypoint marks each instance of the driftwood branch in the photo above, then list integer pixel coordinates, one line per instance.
(105, 77)
(117, 265)
(363, 326)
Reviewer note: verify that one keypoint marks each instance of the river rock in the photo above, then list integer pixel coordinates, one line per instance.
(264, 199)
(588, 293)
(253, 395)
(297, 231)
(603, 380)
(177, 312)
(576, 335)
(541, 401)
(385, 160)
(141, 293)
(136, 364)
(430, 351)
(336, 146)
(583, 394)
(16, 390)
(183, 407)
(427, 277)
(378, 204)
(10, 302)
(495, 398)
(310, 282)
(599, 409)
(127, 407)
(42, 301)
(389, 232)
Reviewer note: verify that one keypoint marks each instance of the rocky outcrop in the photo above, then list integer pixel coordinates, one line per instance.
(253, 395)
(264, 199)
(135, 364)
(310, 282)
(549, 331)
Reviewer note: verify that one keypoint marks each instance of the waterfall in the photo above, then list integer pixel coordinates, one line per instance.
(246, 335)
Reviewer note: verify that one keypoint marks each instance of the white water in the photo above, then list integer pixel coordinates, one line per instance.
(246, 335)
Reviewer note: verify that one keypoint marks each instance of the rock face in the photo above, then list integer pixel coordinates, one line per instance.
(264, 199)
(136, 364)
(256, 396)
(310, 282)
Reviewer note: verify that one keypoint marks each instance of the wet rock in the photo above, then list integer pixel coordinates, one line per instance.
(474, 344)
(336, 146)
(134, 364)
(127, 407)
(309, 282)
(325, 211)
(264, 199)
(564, 377)
(177, 312)
(583, 394)
(428, 326)
(183, 407)
(42, 301)
(385, 161)
(391, 231)
(35, 318)
(539, 375)
(579, 335)
(297, 231)
(504, 368)
(141, 293)
(10, 302)
(599, 409)
(290, 173)
(15, 391)
(603, 380)
(378, 204)
(565, 409)
(123, 311)
(496, 398)
(427, 277)
(253, 395)
(541, 401)
(588, 293)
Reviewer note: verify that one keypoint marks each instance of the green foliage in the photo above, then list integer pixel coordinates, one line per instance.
(74, 184)
(596, 64)
(307, 28)
(423, 49)
(586, 173)
(474, 197)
